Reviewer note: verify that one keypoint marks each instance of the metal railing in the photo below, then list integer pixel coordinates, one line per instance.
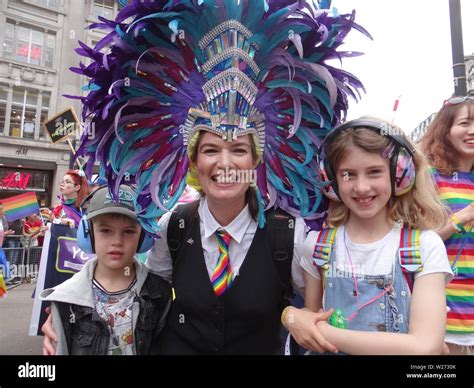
(23, 257)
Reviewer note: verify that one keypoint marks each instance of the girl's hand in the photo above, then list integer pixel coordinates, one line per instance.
(302, 326)
(49, 336)
(466, 215)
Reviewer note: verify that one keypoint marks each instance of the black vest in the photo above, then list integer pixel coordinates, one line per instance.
(244, 320)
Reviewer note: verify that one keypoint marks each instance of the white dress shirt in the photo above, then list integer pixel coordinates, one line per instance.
(242, 229)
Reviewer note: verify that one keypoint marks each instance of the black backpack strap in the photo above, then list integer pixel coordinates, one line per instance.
(281, 232)
(181, 222)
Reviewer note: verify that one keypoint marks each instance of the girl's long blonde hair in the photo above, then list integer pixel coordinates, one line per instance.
(418, 208)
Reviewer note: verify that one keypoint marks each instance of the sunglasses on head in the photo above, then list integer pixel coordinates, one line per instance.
(457, 100)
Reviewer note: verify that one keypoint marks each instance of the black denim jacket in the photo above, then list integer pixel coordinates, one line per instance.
(88, 334)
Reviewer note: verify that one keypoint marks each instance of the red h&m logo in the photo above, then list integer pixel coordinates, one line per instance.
(16, 180)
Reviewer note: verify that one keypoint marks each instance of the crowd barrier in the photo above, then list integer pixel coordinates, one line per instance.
(23, 256)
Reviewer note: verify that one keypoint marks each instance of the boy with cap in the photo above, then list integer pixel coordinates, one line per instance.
(114, 305)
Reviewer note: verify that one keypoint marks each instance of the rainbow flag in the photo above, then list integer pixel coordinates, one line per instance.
(20, 206)
(3, 288)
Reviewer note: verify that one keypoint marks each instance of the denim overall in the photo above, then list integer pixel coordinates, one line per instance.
(388, 313)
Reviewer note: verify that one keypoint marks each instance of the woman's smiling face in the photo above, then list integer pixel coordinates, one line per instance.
(224, 169)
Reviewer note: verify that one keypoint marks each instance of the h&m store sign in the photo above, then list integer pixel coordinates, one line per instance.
(15, 180)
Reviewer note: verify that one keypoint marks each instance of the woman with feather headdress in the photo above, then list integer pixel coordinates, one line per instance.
(233, 98)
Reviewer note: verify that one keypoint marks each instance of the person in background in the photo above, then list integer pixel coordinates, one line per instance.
(449, 146)
(34, 229)
(12, 242)
(74, 188)
(3, 219)
(5, 231)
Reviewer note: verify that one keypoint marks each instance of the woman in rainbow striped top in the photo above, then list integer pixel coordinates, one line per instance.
(449, 145)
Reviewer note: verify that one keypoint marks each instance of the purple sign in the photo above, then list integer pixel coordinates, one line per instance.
(69, 257)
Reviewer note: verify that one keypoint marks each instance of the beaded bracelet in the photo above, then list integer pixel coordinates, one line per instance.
(284, 313)
(457, 224)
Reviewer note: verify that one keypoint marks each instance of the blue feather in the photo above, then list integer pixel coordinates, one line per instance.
(261, 213)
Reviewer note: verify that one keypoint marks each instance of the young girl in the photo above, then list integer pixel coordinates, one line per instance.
(74, 188)
(450, 149)
(361, 268)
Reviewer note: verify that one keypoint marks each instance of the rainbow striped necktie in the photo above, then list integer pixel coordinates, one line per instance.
(222, 276)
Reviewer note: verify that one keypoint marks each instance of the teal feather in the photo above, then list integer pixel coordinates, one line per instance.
(306, 142)
(284, 83)
(254, 15)
(158, 15)
(234, 10)
(261, 212)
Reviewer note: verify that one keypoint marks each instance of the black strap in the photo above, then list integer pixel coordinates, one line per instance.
(281, 232)
(181, 222)
(65, 312)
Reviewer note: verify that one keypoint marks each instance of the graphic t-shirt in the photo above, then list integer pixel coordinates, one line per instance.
(115, 308)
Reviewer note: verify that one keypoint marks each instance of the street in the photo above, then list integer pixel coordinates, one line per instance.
(15, 314)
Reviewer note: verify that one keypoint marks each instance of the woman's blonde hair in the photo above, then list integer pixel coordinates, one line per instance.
(418, 208)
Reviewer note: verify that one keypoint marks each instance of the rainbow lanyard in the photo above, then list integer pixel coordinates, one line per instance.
(337, 318)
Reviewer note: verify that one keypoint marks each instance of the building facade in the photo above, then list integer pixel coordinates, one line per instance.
(37, 42)
(470, 74)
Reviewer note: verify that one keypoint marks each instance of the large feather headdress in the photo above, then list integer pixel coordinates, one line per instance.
(226, 66)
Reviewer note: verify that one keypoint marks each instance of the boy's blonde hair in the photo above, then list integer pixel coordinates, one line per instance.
(418, 208)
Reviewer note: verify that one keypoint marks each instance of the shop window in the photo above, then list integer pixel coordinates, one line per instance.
(104, 8)
(46, 3)
(3, 108)
(23, 114)
(29, 45)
